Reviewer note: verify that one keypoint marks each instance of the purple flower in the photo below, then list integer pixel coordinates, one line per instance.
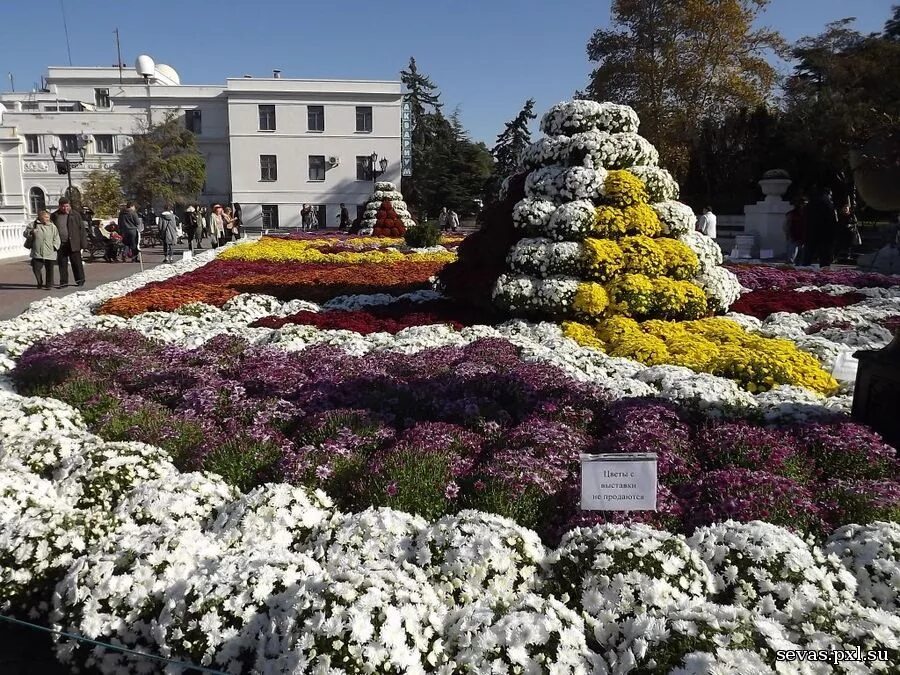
(392, 489)
(451, 491)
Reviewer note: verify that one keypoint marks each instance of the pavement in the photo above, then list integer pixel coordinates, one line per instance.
(17, 284)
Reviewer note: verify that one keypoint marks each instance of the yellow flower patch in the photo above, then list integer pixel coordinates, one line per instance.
(603, 258)
(642, 256)
(642, 219)
(716, 346)
(623, 188)
(609, 222)
(680, 261)
(591, 299)
(271, 249)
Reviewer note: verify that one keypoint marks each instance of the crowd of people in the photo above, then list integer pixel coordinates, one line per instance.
(820, 229)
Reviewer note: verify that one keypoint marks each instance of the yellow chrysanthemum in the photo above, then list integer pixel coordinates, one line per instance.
(271, 249)
(616, 328)
(647, 349)
(582, 334)
(590, 299)
(642, 219)
(623, 188)
(609, 222)
(602, 258)
(680, 261)
(632, 295)
(642, 256)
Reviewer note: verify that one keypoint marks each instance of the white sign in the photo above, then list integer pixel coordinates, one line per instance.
(619, 482)
(845, 367)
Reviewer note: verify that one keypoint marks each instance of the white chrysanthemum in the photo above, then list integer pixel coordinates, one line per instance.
(353, 620)
(721, 286)
(707, 250)
(678, 219)
(703, 635)
(376, 537)
(613, 571)
(532, 215)
(771, 570)
(661, 186)
(872, 554)
(474, 556)
(274, 516)
(546, 151)
(543, 257)
(571, 117)
(100, 476)
(188, 498)
(520, 293)
(534, 635)
(571, 222)
(560, 184)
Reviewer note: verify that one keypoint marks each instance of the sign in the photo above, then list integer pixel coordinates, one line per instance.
(406, 140)
(845, 367)
(619, 482)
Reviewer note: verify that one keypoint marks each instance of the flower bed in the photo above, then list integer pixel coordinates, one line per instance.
(768, 277)
(762, 303)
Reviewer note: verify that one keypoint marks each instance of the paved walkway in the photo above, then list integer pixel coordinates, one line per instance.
(17, 284)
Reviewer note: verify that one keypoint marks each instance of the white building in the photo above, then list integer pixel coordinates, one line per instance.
(270, 144)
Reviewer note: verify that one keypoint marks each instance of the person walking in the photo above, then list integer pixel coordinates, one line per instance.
(821, 221)
(304, 217)
(795, 230)
(238, 221)
(201, 214)
(72, 237)
(168, 233)
(216, 226)
(228, 224)
(42, 236)
(129, 226)
(453, 221)
(706, 223)
(442, 218)
(190, 226)
(345, 218)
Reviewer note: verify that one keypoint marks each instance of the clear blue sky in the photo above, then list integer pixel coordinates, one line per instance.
(486, 56)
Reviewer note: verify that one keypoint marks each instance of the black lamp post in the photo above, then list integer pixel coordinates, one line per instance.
(65, 164)
(383, 164)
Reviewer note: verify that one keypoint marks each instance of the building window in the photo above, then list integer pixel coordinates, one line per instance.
(32, 144)
(104, 144)
(268, 167)
(36, 199)
(363, 167)
(364, 118)
(69, 143)
(269, 216)
(317, 167)
(30, 107)
(192, 121)
(101, 98)
(267, 118)
(315, 118)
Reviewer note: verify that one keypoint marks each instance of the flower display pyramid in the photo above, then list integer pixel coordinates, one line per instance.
(590, 234)
(386, 213)
(604, 234)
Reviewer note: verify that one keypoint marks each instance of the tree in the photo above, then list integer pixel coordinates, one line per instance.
(679, 62)
(103, 192)
(507, 151)
(843, 92)
(421, 94)
(892, 25)
(163, 163)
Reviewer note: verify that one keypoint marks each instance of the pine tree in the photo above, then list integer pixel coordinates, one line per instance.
(510, 145)
(422, 96)
(892, 25)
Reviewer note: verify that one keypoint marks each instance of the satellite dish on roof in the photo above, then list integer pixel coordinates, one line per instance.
(168, 74)
(145, 66)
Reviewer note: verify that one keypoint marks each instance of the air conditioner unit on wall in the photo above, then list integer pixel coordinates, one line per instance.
(334, 161)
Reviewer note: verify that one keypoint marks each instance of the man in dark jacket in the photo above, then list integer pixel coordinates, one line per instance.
(129, 226)
(821, 223)
(72, 238)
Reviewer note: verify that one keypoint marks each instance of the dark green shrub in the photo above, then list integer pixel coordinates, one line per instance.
(423, 235)
(243, 462)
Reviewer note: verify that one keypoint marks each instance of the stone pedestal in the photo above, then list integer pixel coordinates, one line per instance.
(765, 219)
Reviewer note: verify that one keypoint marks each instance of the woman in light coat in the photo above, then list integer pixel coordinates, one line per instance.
(45, 242)
(216, 226)
(168, 233)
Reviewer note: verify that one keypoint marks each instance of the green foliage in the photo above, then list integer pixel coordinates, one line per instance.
(448, 168)
(163, 163)
(422, 236)
(678, 63)
(528, 508)
(507, 151)
(411, 481)
(243, 462)
(103, 192)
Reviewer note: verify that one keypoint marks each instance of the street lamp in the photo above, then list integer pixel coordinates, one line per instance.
(383, 164)
(65, 164)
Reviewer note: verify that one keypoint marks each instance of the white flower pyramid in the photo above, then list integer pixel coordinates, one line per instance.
(604, 233)
(386, 192)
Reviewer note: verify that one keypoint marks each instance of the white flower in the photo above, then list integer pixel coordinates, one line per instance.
(872, 554)
(661, 186)
(678, 219)
(571, 117)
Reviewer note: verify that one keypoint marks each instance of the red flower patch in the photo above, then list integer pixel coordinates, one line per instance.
(763, 303)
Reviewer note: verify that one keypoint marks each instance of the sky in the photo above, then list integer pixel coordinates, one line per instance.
(486, 56)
